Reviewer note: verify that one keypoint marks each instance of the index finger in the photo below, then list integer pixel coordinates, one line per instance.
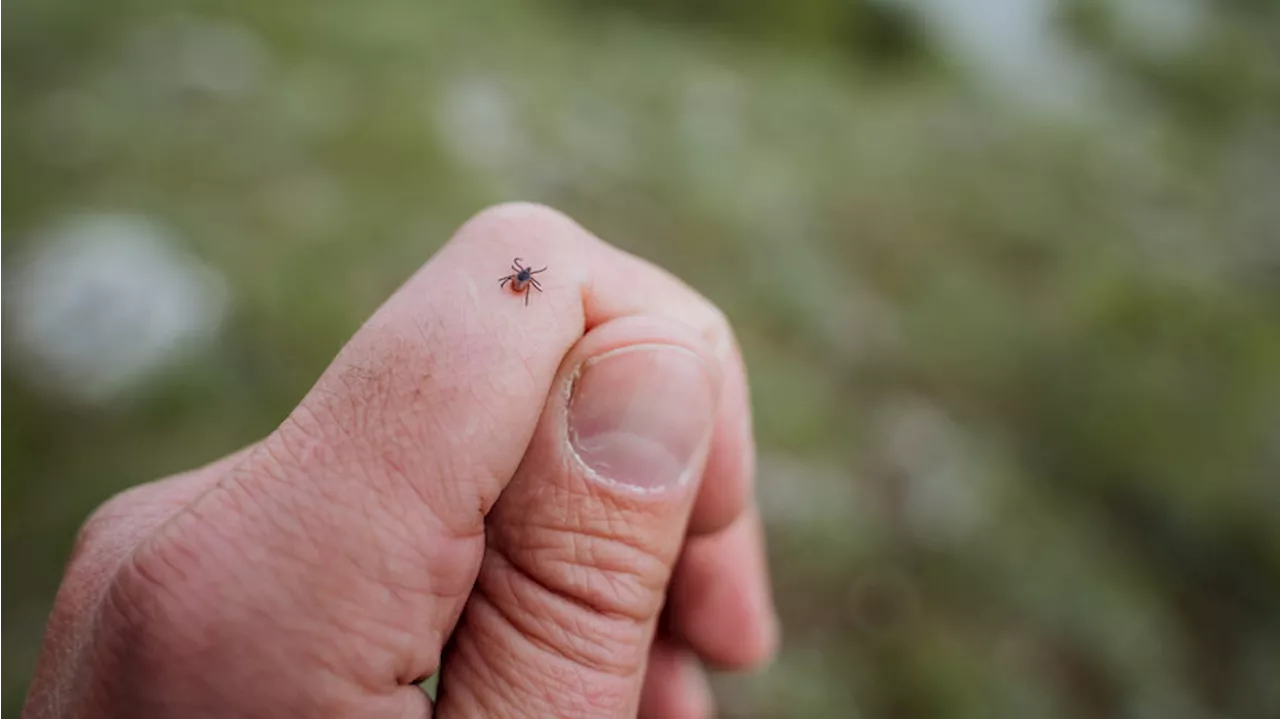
(491, 357)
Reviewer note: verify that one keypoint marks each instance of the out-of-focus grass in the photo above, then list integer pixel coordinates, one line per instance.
(1017, 379)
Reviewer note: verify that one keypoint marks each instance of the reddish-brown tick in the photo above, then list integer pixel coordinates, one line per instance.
(522, 280)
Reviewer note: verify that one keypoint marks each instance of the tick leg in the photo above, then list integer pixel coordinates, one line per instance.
(505, 280)
(526, 295)
(534, 272)
(516, 264)
(535, 284)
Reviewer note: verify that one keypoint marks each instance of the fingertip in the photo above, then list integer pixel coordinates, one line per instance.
(729, 476)
(531, 221)
(675, 685)
(537, 234)
(721, 601)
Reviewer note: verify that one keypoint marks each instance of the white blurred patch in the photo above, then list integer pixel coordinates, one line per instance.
(1014, 46)
(476, 124)
(798, 492)
(946, 492)
(104, 300)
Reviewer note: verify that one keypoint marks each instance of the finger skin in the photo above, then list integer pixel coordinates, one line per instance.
(103, 544)
(720, 605)
(567, 600)
(675, 685)
(731, 462)
(343, 545)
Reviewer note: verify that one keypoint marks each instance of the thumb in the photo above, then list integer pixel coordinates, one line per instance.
(581, 544)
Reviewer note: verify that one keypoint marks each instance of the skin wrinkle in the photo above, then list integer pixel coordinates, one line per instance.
(308, 633)
(492, 683)
(294, 520)
(92, 591)
(387, 654)
(306, 644)
(561, 633)
(265, 620)
(381, 412)
(423, 497)
(376, 581)
(410, 458)
(239, 504)
(300, 442)
(451, 583)
(586, 547)
(566, 630)
(578, 632)
(586, 592)
(161, 571)
(400, 458)
(588, 670)
(492, 353)
(527, 361)
(538, 540)
(145, 603)
(626, 586)
(536, 545)
(615, 559)
(487, 464)
(586, 607)
(129, 557)
(435, 544)
(324, 519)
(357, 391)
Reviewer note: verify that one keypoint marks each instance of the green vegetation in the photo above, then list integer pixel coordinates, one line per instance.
(1016, 367)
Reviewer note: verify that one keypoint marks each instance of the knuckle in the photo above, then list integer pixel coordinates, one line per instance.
(585, 593)
(561, 624)
(508, 221)
(303, 438)
(600, 563)
(607, 575)
(716, 327)
(171, 572)
(720, 334)
(103, 529)
(147, 620)
(173, 635)
(518, 215)
(96, 526)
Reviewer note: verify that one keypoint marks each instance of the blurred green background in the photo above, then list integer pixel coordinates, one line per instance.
(1006, 274)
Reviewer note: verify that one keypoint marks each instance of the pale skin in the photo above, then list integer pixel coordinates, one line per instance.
(553, 502)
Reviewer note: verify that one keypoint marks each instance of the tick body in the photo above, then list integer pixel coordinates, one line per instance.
(522, 280)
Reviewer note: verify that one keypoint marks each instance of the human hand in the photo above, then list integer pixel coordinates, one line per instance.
(557, 497)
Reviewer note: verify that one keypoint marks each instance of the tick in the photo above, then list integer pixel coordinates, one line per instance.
(522, 280)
